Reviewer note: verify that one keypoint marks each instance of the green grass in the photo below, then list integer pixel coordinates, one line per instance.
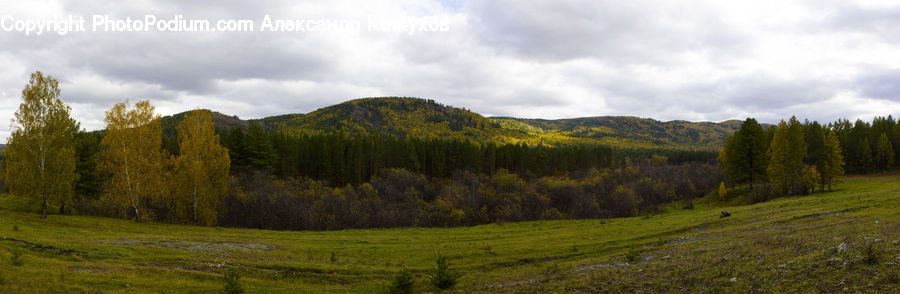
(786, 245)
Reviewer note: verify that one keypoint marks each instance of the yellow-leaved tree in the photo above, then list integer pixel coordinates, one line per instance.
(40, 151)
(200, 175)
(131, 153)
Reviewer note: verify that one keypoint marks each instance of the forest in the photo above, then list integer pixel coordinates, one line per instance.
(265, 175)
(794, 157)
(329, 181)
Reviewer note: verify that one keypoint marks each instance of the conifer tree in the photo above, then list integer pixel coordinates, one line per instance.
(866, 163)
(41, 149)
(834, 160)
(778, 158)
(257, 148)
(235, 145)
(786, 157)
(815, 149)
(746, 153)
(884, 153)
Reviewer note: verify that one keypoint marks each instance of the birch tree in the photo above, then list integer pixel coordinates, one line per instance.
(40, 150)
(131, 153)
(201, 170)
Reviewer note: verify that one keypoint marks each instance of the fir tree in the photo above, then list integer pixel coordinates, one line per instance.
(884, 153)
(865, 162)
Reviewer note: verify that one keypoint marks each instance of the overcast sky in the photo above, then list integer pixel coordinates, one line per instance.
(668, 60)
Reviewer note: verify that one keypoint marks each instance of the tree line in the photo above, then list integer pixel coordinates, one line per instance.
(262, 178)
(46, 158)
(800, 158)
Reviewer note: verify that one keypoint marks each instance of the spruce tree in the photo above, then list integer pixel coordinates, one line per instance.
(815, 149)
(865, 162)
(258, 149)
(235, 145)
(745, 153)
(884, 153)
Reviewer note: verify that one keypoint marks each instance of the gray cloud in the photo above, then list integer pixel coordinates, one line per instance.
(688, 60)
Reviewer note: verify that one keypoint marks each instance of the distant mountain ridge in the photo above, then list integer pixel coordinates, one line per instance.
(427, 119)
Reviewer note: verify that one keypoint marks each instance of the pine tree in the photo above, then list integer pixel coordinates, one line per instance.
(133, 157)
(41, 149)
(884, 153)
(834, 160)
(235, 144)
(201, 170)
(257, 148)
(746, 153)
(896, 141)
(857, 160)
(89, 183)
(866, 163)
(815, 149)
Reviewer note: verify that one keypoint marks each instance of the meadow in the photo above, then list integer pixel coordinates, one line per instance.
(842, 241)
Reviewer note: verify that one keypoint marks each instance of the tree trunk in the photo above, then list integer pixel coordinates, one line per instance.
(43, 207)
(195, 207)
(137, 213)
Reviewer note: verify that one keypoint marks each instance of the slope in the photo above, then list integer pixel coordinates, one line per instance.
(845, 241)
(403, 117)
(626, 132)
(427, 119)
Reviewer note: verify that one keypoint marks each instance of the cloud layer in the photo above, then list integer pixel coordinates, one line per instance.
(686, 60)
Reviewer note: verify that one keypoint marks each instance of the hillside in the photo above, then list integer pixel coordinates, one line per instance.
(845, 241)
(420, 118)
(626, 132)
(220, 120)
(404, 117)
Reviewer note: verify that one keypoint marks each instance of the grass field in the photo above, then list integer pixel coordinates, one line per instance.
(843, 241)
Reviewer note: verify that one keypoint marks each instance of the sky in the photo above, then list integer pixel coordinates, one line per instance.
(667, 60)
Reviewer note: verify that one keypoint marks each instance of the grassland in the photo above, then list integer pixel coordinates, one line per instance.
(843, 241)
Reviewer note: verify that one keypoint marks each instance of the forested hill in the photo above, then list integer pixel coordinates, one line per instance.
(222, 121)
(626, 132)
(404, 117)
(427, 119)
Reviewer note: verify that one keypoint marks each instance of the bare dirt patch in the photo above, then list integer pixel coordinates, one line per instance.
(197, 246)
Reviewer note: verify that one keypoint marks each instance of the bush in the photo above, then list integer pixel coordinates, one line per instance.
(16, 258)
(871, 253)
(444, 277)
(232, 282)
(892, 277)
(763, 193)
(633, 254)
(403, 283)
